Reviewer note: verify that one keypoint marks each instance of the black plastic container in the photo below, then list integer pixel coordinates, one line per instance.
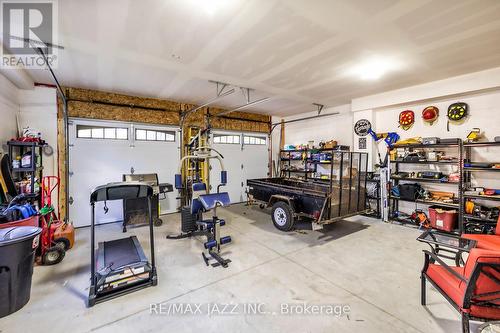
(17, 256)
(409, 192)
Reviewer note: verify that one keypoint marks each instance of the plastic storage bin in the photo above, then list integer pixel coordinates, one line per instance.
(17, 256)
(442, 218)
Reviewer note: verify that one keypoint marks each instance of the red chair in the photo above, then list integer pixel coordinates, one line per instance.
(487, 242)
(474, 290)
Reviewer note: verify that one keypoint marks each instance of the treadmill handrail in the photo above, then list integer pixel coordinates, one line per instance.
(94, 195)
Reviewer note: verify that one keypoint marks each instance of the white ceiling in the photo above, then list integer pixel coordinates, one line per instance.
(296, 51)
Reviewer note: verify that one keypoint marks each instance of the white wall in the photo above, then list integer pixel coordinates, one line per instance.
(481, 91)
(483, 113)
(335, 127)
(38, 110)
(34, 108)
(9, 106)
(370, 147)
(454, 86)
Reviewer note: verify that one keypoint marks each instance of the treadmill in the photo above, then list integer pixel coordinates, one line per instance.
(120, 266)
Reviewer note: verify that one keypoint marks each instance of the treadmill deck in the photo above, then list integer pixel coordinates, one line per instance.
(122, 252)
(121, 262)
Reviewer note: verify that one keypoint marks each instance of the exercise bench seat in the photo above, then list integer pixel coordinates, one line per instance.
(198, 189)
(212, 200)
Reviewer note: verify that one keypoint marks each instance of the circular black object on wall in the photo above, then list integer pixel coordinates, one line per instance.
(362, 127)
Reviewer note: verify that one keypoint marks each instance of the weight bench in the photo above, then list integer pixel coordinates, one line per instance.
(195, 225)
(205, 203)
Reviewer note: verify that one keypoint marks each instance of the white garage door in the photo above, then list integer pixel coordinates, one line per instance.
(246, 156)
(101, 152)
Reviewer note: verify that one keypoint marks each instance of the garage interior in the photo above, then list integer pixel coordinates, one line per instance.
(250, 166)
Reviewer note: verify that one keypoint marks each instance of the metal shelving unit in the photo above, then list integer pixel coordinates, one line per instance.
(307, 160)
(288, 171)
(483, 197)
(430, 202)
(425, 162)
(458, 162)
(481, 169)
(425, 180)
(34, 171)
(467, 183)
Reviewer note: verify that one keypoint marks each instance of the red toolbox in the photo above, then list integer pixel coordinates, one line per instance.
(442, 218)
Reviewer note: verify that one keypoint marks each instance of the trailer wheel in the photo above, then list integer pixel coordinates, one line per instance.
(282, 216)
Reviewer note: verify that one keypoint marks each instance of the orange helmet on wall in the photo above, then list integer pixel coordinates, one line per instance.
(430, 114)
(406, 119)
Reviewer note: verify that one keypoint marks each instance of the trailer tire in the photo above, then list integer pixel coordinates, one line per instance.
(282, 216)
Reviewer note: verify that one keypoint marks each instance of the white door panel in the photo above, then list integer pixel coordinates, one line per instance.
(242, 162)
(95, 162)
(232, 164)
(163, 159)
(255, 161)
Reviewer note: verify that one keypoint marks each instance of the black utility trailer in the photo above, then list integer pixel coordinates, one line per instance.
(322, 201)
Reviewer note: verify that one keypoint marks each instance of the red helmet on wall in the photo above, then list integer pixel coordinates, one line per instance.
(406, 119)
(430, 114)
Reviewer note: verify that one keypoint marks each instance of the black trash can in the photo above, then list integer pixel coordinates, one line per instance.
(17, 256)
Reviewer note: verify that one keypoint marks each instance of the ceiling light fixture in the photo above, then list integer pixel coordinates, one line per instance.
(210, 6)
(374, 68)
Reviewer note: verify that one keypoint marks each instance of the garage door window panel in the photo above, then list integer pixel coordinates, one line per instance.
(224, 138)
(254, 140)
(154, 135)
(101, 132)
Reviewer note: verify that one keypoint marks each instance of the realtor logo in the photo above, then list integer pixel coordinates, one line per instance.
(28, 27)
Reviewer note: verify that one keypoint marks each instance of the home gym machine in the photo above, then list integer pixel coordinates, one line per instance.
(120, 266)
(201, 201)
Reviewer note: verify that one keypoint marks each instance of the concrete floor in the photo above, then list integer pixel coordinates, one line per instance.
(370, 266)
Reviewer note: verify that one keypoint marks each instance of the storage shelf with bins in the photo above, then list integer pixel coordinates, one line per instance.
(469, 171)
(396, 165)
(425, 180)
(286, 168)
(32, 172)
(430, 202)
(308, 165)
